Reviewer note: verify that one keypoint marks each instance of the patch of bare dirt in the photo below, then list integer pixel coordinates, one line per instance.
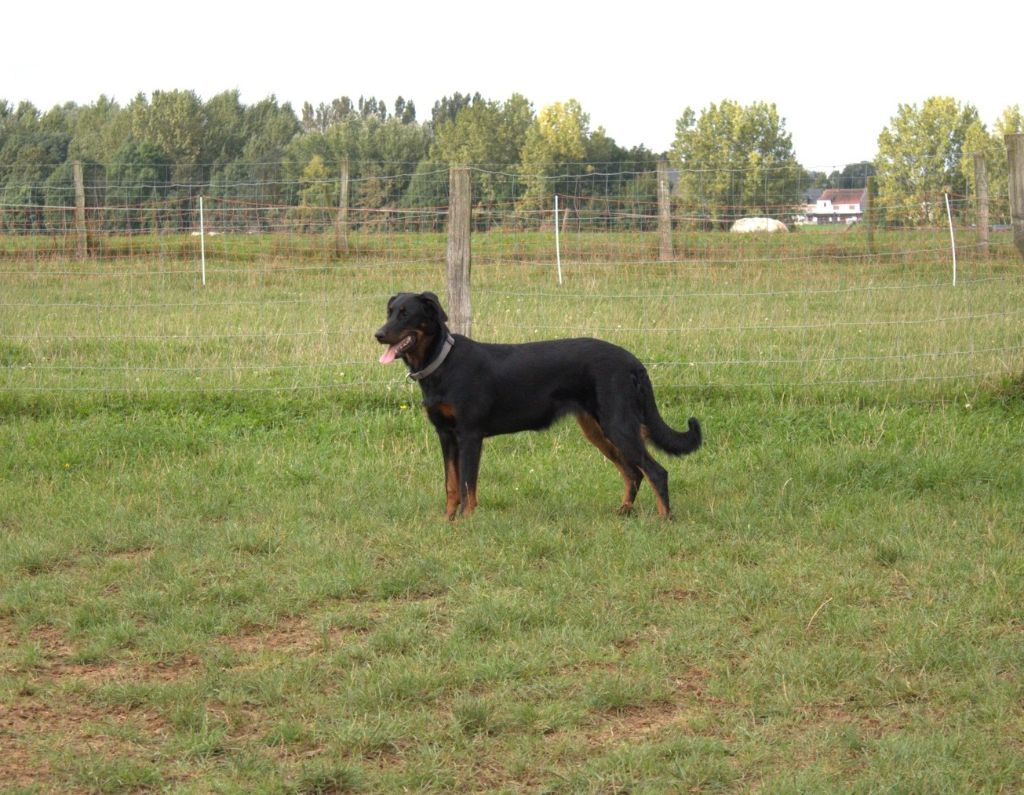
(37, 724)
(296, 634)
(58, 655)
(52, 713)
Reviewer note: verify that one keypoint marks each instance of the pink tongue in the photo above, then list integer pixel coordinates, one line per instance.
(389, 355)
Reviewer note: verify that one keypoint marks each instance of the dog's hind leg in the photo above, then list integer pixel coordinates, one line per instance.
(623, 432)
(657, 476)
(632, 476)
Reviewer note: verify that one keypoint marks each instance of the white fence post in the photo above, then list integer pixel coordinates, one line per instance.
(952, 239)
(202, 241)
(558, 244)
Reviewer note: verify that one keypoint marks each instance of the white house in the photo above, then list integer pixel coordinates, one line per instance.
(838, 206)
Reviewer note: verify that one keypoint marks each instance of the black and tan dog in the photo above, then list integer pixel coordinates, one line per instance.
(472, 390)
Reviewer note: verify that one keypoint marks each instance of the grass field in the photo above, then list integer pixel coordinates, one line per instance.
(224, 564)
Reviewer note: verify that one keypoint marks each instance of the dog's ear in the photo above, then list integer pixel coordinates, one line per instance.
(434, 303)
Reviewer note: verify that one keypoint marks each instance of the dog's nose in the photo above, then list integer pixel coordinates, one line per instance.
(380, 334)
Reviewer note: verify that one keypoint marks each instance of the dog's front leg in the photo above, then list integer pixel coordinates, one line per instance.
(450, 451)
(470, 448)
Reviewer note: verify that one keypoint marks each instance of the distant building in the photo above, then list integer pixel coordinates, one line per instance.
(838, 206)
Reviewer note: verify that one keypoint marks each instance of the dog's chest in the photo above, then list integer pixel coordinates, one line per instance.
(441, 414)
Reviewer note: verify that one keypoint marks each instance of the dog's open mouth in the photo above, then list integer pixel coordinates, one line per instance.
(398, 349)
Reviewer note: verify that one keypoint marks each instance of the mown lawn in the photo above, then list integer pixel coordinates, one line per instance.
(224, 564)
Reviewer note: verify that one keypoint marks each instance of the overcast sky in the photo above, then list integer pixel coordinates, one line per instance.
(836, 71)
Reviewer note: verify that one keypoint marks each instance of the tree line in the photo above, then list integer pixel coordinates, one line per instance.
(727, 158)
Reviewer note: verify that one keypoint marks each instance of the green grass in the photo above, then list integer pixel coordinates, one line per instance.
(224, 567)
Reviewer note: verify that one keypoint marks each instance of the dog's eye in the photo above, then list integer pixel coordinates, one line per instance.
(402, 312)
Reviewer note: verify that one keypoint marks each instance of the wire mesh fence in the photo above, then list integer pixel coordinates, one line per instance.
(295, 291)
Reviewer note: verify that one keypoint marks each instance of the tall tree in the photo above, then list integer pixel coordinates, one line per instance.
(32, 145)
(173, 122)
(139, 173)
(405, 111)
(258, 174)
(317, 194)
(734, 160)
(447, 108)
(371, 107)
(224, 130)
(920, 156)
(853, 175)
(99, 131)
(555, 146)
(382, 152)
(324, 116)
(482, 133)
(993, 148)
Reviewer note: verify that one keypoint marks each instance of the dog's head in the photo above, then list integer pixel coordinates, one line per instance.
(414, 319)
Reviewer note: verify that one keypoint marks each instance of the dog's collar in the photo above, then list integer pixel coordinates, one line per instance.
(446, 348)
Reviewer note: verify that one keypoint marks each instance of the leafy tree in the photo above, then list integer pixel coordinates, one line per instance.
(815, 179)
(258, 175)
(269, 129)
(99, 130)
(555, 145)
(470, 137)
(318, 193)
(621, 185)
(381, 150)
(487, 134)
(920, 156)
(428, 188)
(447, 108)
(32, 145)
(224, 131)
(853, 175)
(323, 117)
(139, 175)
(173, 123)
(371, 107)
(405, 111)
(735, 158)
(1011, 122)
(993, 149)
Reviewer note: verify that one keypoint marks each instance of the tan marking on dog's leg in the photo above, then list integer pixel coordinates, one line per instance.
(663, 507)
(451, 488)
(631, 482)
(470, 505)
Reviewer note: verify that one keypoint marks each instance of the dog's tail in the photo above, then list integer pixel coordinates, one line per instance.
(664, 436)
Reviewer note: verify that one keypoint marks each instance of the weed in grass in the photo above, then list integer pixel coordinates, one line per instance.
(323, 778)
(621, 692)
(95, 772)
(889, 551)
(289, 734)
(475, 715)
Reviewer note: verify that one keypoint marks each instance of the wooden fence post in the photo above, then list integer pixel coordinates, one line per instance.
(80, 225)
(981, 203)
(458, 259)
(1015, 156)
(341, 221)
(665, 253)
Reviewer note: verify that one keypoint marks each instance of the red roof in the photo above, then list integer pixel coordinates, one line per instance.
(843, 196)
